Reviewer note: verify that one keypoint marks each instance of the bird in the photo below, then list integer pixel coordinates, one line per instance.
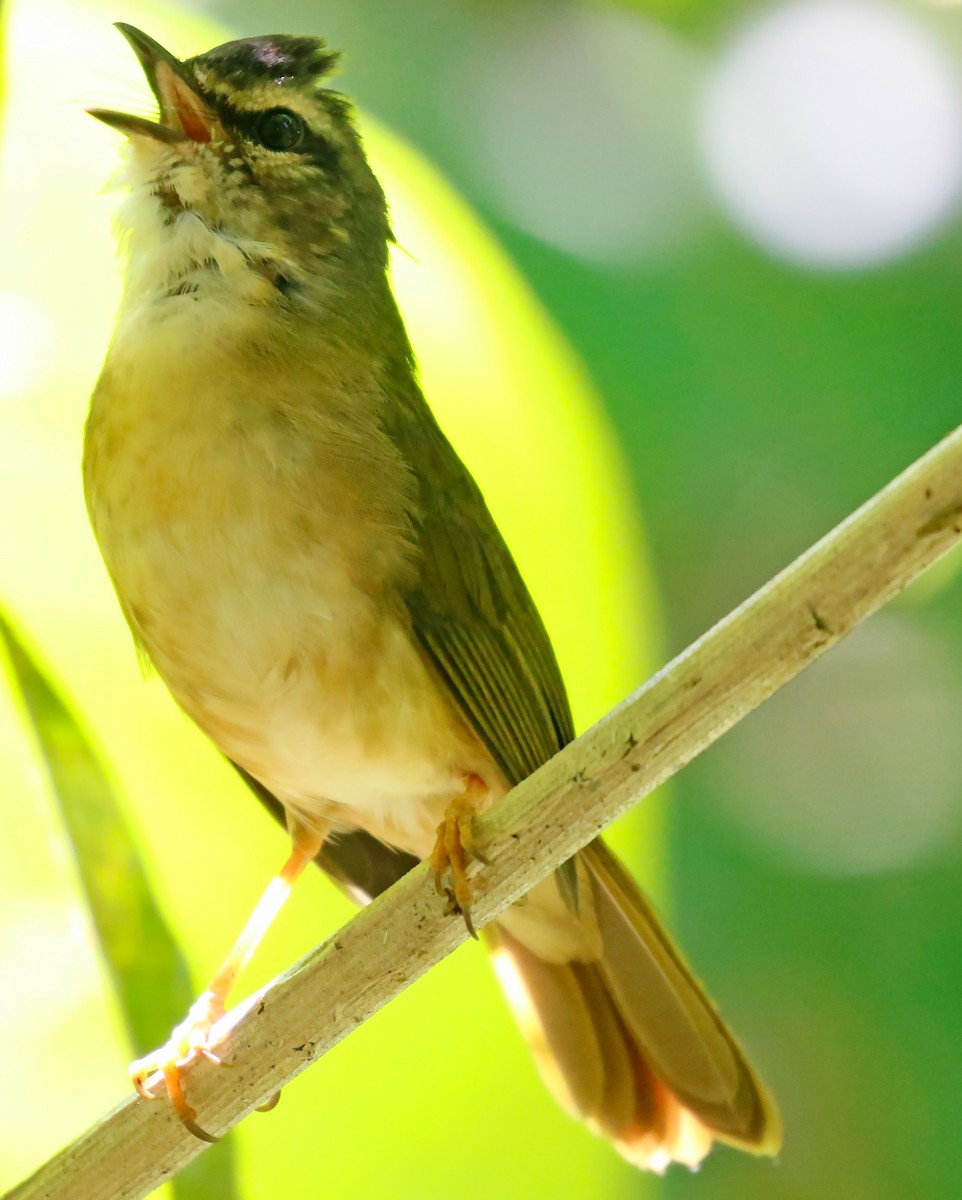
(305, 561)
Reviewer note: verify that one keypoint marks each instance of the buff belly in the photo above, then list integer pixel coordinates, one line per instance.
(261, 581)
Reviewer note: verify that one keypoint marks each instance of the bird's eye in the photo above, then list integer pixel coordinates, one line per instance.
(280, 129)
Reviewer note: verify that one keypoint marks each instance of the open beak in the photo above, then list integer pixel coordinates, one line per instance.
(184, 114)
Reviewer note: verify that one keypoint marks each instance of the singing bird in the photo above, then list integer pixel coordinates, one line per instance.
(311, 569)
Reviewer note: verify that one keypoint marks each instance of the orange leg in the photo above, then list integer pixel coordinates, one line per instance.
(455, 844)
(191, 1039)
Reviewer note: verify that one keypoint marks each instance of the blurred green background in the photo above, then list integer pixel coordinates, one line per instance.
(704, 271)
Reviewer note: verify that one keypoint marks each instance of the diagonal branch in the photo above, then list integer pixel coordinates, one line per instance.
(677, 714)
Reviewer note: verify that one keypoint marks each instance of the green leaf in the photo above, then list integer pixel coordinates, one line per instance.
(146, 966)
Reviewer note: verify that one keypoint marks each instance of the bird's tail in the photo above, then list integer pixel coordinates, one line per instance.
(622, 1033)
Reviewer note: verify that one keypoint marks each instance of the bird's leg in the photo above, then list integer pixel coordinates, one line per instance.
(455, 844)
(191, 1039)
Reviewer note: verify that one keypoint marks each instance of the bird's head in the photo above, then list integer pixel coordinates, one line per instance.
(251, 162)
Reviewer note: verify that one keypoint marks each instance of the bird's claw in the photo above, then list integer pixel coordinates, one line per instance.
(190, 1040)
(454, 845)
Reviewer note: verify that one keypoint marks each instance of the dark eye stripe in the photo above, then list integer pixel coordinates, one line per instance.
(313, 147)
(320, 151)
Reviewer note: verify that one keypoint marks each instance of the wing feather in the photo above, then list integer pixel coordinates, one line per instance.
(470, 610)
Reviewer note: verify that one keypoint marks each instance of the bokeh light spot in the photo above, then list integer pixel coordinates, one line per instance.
(832, 131)
(579, 125)
(853, 768)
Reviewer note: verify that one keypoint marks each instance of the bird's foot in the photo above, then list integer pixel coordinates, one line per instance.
(454, 846)
(190, 1041)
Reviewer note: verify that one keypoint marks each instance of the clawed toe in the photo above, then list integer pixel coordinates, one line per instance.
(454, 845)
(188, 1042)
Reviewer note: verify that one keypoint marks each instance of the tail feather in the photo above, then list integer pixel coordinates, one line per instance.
(561, 1027)
(627, 1040)
(617, 1109)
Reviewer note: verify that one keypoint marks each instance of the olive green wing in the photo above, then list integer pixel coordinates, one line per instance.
(470, 610)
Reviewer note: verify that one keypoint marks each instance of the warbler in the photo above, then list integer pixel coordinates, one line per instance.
(311, 569)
